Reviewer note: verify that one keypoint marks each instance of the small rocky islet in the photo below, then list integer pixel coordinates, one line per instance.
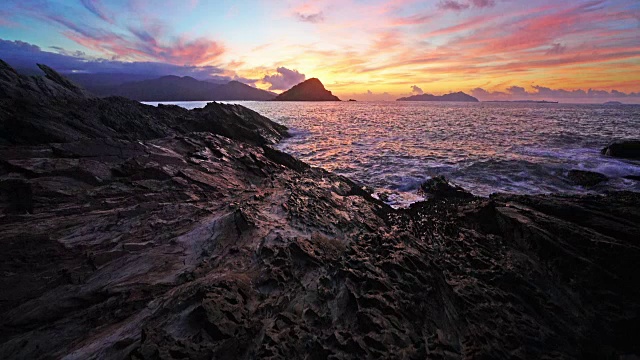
(141, 232)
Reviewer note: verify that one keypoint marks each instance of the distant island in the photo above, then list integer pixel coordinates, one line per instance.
(458, 96)
(523, 101)
(175, 88)
(309, 90)
(613, 103)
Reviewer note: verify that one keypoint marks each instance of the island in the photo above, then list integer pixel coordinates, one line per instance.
(523, 101)
(613, 103)
(308, 90)
(186, 88)
(457, 96)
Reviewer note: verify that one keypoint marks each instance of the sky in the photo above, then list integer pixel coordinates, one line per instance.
(586, 51)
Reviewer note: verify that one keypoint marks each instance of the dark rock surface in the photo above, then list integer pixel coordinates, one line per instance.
(37, 110)
(586, 178)
(308, 90)
(439, 187)
(623, 149)
(200, 245)
(458, 96)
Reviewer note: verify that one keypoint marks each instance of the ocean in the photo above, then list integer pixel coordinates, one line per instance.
(521, 148)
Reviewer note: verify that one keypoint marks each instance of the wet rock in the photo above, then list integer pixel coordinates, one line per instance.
(623, 149)
(438, 187)
(586, 178)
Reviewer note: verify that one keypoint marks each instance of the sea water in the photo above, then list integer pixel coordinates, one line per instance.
(521, 148)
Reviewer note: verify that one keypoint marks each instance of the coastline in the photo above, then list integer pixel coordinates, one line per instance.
(162, 232)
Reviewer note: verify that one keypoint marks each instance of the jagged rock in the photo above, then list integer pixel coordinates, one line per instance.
(624, 149)
(60, 80)
(438, 187)
(208, 245)
(31, 114)
(586, 178)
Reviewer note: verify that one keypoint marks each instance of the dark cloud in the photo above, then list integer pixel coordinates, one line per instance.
(557, 49)
(95, 6)
(517, 91)
(284, 79)
(452, 5)
(416, 90)
(310, 18)
(22, 55)
(463, 5)
(482, 3)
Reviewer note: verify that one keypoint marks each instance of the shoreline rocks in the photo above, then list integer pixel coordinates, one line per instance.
(624, 149)
(438, 187)
(182, 234)
(586, 178)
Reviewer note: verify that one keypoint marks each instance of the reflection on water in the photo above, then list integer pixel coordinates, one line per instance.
(484, 147)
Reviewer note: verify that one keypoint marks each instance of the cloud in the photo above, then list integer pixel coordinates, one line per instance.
(370, 96)
(556, 49)
(452, 5)
(146, 40)
(546, 93)
(310, 18)
(459, 5)
(416, 90)
(517, 91)
(23, 55)
(284, 79)
(482, 3)
(96, 8)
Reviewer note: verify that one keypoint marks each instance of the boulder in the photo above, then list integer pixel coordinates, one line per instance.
(586, 178)
(624, 149)
(438, 187)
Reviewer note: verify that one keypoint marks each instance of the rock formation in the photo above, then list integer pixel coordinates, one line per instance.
(439, 187)
(150, 233)
(629, 149)
(458, 96)
(586, 178)
(308, 90)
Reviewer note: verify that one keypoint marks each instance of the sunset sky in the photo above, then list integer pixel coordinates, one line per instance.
(361, 49)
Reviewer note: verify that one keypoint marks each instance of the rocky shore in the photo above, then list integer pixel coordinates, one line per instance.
(130, 231)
